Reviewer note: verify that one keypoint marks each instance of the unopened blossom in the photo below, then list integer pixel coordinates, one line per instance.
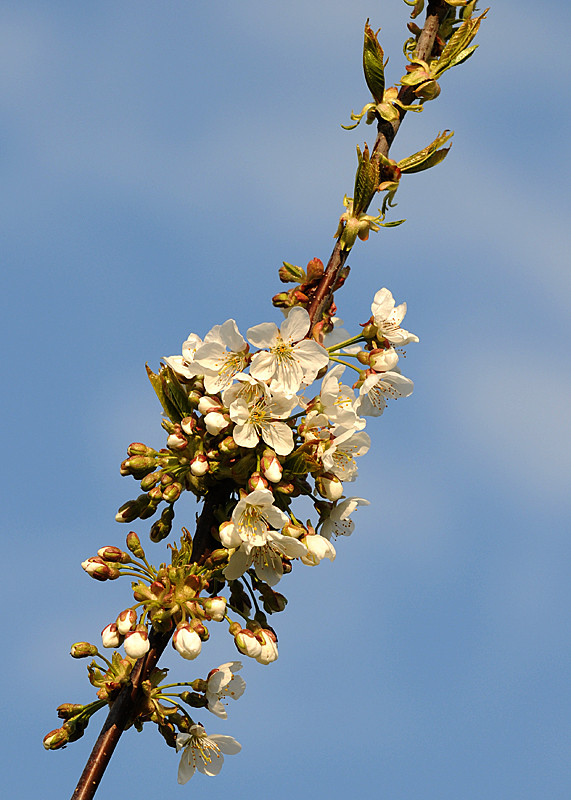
(126, 620)
(215, 422)
(339, 522)
(286, 358)
(215, 608)
(137, 643)
(339, 456)
(388, 317)
(383, 360)
(263, 419)
(246, 642)
(222, 683)
(110, 636)
(184, 365)
(187, 642)
(318, 548)
(253, 532)
(203, 753)
(377, 388)
(269, 647)
(223, 354)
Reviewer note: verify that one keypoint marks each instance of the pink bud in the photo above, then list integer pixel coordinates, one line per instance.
(176, 442)
(199, 465)
(126, 621)
(110, 636)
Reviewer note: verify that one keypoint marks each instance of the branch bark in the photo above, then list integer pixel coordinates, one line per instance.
(386, 132)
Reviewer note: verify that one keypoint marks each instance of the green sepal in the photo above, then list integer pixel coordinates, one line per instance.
(457, 44)
(166, 403)
(428, 157)
(170, 393)
(373, 65)
(366, 180)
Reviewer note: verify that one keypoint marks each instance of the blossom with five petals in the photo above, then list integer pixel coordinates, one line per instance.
(289, 359)
(184, 365)
(339, 456)
(223, 354)
(222, 682)
(203, 753)
(379, 386)
(338, 401)
(388, 317)
(339, 522)
(262, 418)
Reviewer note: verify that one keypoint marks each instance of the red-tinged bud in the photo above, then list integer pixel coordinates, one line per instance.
(134, 545)
(194, 397)
(67, 710)
(124, 468)
(56, 739)
(228, 446)
(176, 441)
(257, 481)
(140, 449)
(137, 643)
(315, 269)
(83, 650)
(269, 650)
(216, 422)
(172, 493)
(188, 425)
(300, 297)
(150, 481)
(283, 300)
(215, 608)
(115, 554)
(199, 465)
(126, 621)
(139, 466)
(207, 404)
(363, 357)
(110, 636)
(247, 643)
(130, 510)
(187, 642)
(270, 466)
(234, 628)
(96, 568)
(218, 556)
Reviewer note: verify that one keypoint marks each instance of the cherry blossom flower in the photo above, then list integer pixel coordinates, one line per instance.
(203, 753)
(136, 643)
(252, 532)
(187, 642)
(339, 456)
(289, 359)
(338, 401)
(318, 548)
(379, 386)
(338, 523)
(223, 354)
(269, 647)
(184, 365)
(262, 418)
(222, 682)
(388, 317)
(338, 335)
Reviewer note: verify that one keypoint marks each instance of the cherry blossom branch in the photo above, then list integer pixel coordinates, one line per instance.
(124, 708)
(386, 132)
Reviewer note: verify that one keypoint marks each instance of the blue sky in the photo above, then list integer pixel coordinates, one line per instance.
(159, 162)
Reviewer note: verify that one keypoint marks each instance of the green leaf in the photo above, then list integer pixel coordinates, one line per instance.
(366, 181)
(428, 156)
(373, 65)
(458, 42)
(158, 385)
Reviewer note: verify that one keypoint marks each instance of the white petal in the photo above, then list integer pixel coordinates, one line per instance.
(279, 436)
(263, 335)
(227, 744)
(296, 325)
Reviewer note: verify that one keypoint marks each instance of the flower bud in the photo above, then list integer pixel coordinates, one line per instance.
(290, 273)
(67, 710)
(271, 466)
(285, 487)
(96, 568)
(329, 486)
(110, 636)
(188, 425)
(126, 621)
(315, 269)
(228, 535)
(247, 643)
(257, 481)
(131, 509)
(56, 739)
(295, 531)
(216, 422)
(176, 441)
(140, 449)
(318, 548)
(172, 492)
(269, 649)
(112, 553)
(215, 608)
(137, 643)
(150, 481)
(207, 404)
(134, 544)
(199, 465)
(383, 360)
(228, 446)
(187, 642)
(83, 650)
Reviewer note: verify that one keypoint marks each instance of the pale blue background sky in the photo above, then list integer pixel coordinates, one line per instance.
(159, 160)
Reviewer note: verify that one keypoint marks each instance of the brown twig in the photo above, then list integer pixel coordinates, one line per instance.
(386, 132)
(124, 708)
